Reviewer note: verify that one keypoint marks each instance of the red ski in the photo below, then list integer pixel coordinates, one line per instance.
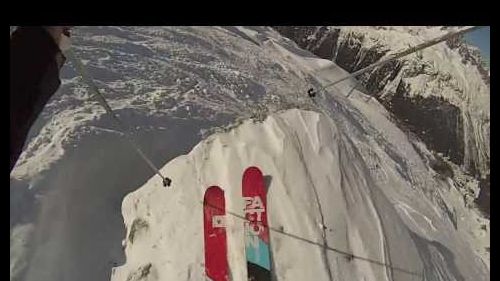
(256, 226)
(214, 211)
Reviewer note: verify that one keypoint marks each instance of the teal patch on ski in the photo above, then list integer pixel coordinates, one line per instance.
(258, 253)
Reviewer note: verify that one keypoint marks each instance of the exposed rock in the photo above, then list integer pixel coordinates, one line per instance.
(141, 274)
(447, 124)
(483, 200)
(437, 122)
(137, 226)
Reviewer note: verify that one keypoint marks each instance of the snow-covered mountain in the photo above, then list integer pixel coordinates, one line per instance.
(441, 93)
(341, 206)
(362, 185)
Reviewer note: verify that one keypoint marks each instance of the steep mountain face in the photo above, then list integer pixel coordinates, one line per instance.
(440, 93)
(173, 87)
(340, 204)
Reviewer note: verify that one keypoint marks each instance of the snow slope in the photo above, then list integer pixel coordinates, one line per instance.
(176, 85)
(172, 86)
(330, 217)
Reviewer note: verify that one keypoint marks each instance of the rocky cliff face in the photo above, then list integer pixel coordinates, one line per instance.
(483, 200)
(440, 93)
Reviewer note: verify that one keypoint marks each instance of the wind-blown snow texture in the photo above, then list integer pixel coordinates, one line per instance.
(365, 187)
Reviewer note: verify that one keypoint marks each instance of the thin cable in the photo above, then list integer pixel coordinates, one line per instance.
(400, 55)
(100, 98)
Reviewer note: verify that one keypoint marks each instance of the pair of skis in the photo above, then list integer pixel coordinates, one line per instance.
(255, 227)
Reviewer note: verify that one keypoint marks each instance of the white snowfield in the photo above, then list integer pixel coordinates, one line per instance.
(330, 218)
(350, 196)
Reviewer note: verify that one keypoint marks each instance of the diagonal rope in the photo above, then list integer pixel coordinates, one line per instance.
(399, 55)
(123, 128)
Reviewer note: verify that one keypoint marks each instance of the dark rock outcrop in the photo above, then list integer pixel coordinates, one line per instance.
(483, 200)
(435, 120)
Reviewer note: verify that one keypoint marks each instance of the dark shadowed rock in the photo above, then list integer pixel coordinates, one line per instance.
(436, 121)
(483, 200)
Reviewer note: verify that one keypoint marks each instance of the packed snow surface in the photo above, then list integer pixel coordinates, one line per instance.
(330, 217)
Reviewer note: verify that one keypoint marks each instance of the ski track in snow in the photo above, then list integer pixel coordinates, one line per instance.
(330, 211)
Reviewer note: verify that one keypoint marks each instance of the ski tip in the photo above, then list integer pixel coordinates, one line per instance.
(252, 169)
(213, 192)
(214, 188)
